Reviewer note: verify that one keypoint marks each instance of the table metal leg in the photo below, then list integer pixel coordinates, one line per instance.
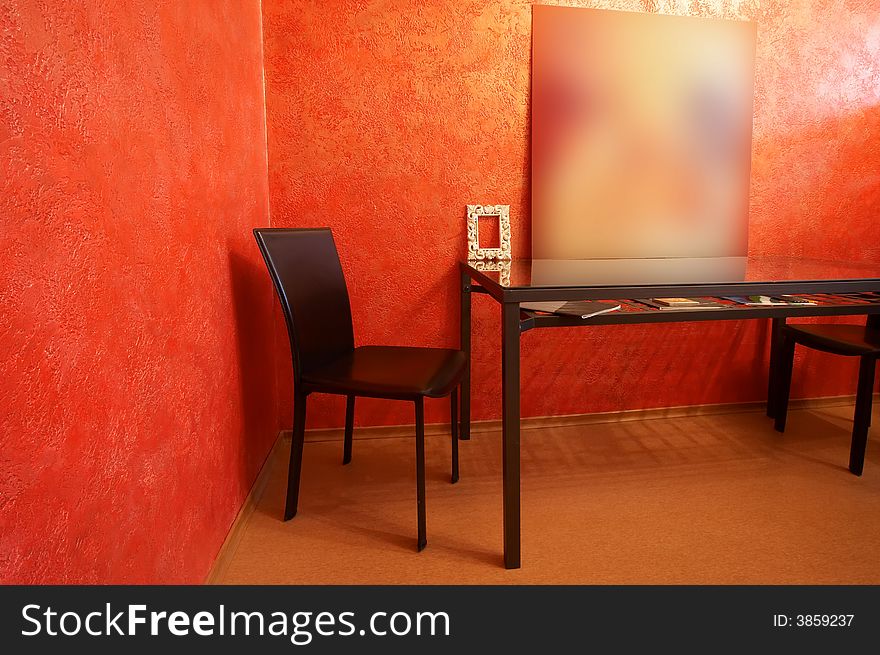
(465, 341)
(510, 361)
(776, 325)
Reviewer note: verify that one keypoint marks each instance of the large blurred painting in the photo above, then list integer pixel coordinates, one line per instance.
(641, 134)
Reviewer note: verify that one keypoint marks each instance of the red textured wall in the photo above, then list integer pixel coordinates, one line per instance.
(137, 388)
(386, 118)
(137, 398)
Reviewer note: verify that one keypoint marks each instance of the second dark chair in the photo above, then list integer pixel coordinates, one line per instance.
(308, 278)
(848, 340)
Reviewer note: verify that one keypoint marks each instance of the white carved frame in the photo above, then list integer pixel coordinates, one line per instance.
(502, 267)
(474, 213)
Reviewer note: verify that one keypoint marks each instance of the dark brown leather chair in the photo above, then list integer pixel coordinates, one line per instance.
(308, 278)
(848, 340)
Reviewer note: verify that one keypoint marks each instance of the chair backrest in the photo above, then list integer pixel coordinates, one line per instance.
(304, 266)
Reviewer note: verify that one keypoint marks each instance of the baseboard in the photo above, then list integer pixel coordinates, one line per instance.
(224, 557)
(540, 422)
(236, 530)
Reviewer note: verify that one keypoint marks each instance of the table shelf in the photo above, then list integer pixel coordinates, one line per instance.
(634, 313)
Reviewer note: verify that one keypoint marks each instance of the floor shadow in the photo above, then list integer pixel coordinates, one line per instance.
(805, 428)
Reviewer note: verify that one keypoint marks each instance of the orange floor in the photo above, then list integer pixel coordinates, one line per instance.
(712, 499)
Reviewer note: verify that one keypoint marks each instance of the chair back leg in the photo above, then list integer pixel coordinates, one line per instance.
(349, 429)
(782, 382)
(453, 402)
(296, 452)
(420, 471)
(862, 419)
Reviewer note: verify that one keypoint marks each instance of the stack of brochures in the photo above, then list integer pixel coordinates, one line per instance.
(683, 303)
(765, 301)
(579, 308)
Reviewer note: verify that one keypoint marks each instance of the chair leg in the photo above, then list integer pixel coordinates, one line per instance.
(783, 382)
(453, 402)
(776, 325)
(296, 452)
(862, 420)
(873, 321)
(349, 429)
(420, 471)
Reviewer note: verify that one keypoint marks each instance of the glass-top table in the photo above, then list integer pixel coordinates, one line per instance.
(550, 279)
(836, 288)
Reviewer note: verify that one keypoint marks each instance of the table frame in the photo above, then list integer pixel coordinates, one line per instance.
(514, 322)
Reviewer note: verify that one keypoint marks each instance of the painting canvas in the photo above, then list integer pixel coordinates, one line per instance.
(641, 134)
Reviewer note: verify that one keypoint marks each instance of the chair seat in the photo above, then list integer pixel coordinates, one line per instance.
(853, 340)
(391, 371)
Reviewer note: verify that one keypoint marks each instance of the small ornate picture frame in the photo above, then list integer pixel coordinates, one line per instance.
(503, 251)
(501, 267)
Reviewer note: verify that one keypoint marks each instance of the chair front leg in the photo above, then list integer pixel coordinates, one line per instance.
(776, 325)
(862, 421)
(296, 452)
(420, 471)
(349, 429)
(453, 402)
(783, 382)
